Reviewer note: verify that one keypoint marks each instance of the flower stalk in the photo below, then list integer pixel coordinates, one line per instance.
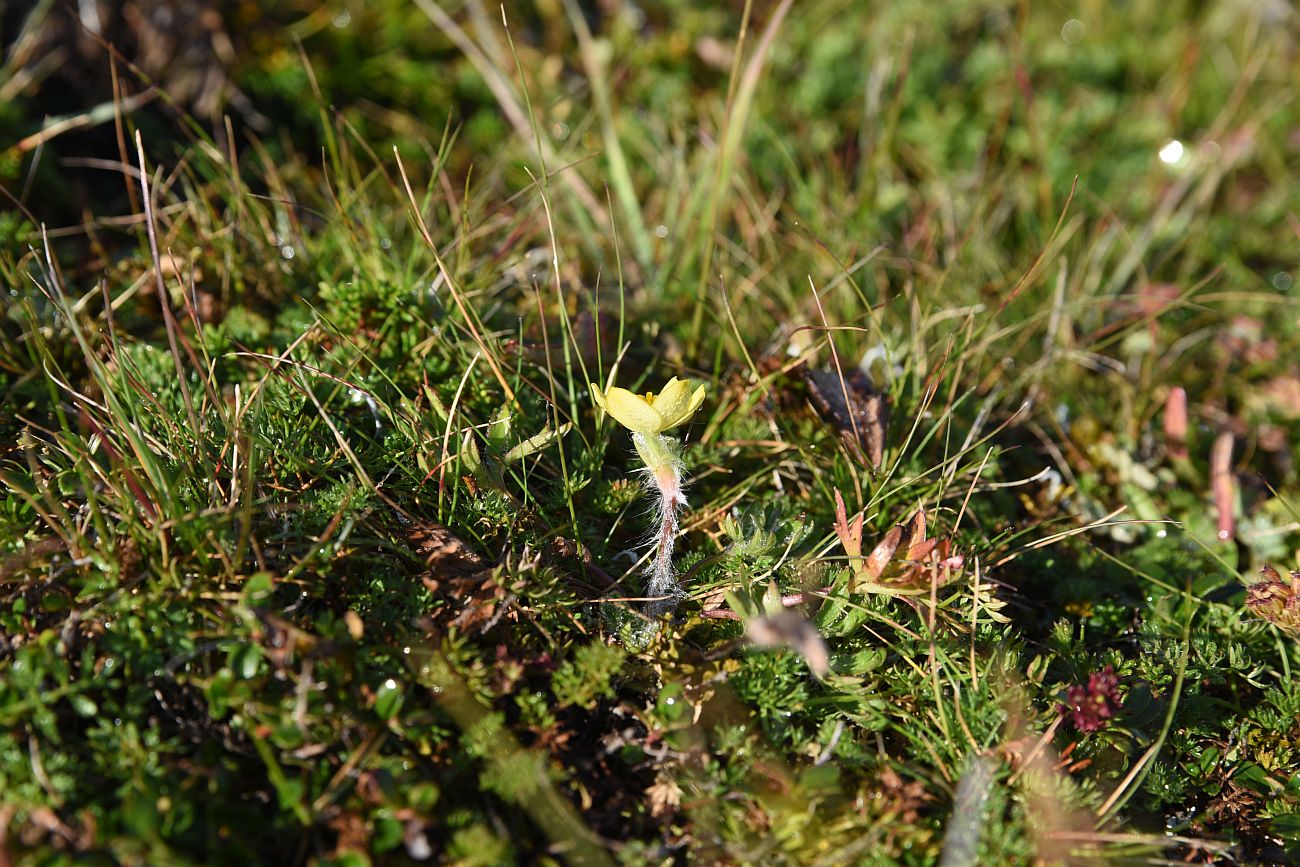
(664, 476)
(647, 417)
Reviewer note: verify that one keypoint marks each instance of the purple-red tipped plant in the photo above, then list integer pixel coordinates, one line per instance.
(1089, 706)
(1276, 600)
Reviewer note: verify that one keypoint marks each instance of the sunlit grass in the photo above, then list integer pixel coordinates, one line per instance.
(315, 548)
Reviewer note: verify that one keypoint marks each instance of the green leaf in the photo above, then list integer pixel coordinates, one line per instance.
(820, 778)
(347, 858)
(387, 834)
(258, 587)
(470, 458)
(388, 699)
(672, 706)
(423, 796)
(218, 693)
(1287, 827)
(83, 705)
(499, 428)
(1253, 777)
(245, 659)
(535, 443)
(859, 662)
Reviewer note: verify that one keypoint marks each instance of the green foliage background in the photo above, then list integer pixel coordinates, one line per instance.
(339, 565)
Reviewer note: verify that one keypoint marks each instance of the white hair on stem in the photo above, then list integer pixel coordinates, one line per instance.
(664, 477)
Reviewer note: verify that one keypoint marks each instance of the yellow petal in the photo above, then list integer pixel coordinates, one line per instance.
(672, 398)
(685, 407)
(597, 395)
(632, 411)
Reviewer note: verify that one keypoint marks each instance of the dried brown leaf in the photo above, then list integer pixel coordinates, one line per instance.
(444, 552)
(917, 527)
(664, 797)
(853, 407)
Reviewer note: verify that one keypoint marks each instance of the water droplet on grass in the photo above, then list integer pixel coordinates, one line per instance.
(1073, 31)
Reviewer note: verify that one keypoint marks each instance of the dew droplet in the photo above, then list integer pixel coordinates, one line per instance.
(1172, 152)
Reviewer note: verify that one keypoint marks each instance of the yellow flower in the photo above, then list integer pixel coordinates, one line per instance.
(654, 413)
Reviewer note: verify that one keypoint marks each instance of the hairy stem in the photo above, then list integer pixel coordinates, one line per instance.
(659, 454)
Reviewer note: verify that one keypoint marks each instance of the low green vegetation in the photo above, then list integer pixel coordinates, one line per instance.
(316, 548)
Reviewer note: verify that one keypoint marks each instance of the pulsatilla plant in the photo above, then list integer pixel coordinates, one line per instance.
(648, 417)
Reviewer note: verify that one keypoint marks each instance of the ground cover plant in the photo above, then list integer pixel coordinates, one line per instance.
(324, 527)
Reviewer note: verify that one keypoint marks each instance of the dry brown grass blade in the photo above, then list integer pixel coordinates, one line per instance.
(56, 127)
(470, 322)
(509, 103)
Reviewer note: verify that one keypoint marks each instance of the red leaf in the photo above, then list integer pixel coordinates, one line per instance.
(850, 535)
(879, 558)
(1176, 423)
(1224, 485)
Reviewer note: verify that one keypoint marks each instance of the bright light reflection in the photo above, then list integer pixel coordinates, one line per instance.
(1171, 152)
